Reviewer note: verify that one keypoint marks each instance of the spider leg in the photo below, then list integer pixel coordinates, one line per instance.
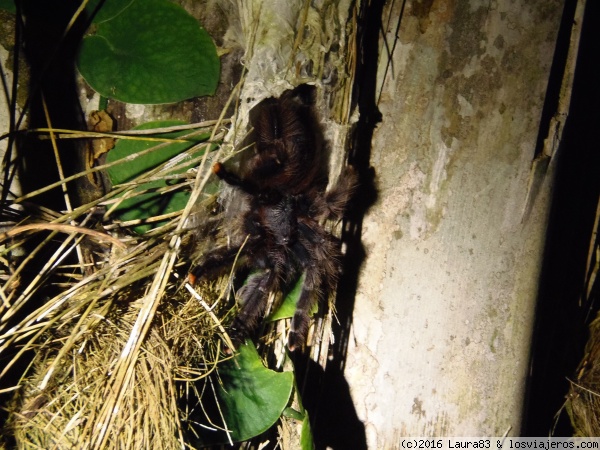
(254, 301)
(232, 179)
(214, 262)
(311, 292)
(332, 204)
(319, 253)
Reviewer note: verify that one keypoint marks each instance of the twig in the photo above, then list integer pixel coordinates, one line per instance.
(64, 228)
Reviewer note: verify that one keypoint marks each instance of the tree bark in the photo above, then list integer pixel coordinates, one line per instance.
(444, 311)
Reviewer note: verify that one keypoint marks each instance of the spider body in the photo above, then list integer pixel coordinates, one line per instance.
(281, 234)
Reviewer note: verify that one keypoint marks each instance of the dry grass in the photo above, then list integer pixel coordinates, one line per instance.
(583, 400)
(107, 354)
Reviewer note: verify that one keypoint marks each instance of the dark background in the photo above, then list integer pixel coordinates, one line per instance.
(560, 331)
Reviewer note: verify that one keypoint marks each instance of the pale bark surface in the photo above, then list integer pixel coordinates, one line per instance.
(444, 310)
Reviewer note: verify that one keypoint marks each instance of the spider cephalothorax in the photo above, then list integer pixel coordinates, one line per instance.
(281, 235)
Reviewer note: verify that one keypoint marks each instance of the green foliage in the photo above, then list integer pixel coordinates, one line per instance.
(148, 51)
(306, 437)
(252, 397)
(8, 5)
(288, 306)
(103, 11)
(148, 204)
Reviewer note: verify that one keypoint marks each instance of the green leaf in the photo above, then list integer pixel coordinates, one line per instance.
(109, 9)
(306, 437)
(288, 306)
(8, 5)
(145, 205)
(252, 397)
(151, 51)
(293, 414)
(122, 173)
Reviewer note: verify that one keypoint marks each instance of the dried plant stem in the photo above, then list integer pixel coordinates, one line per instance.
(64, 228)
(95, 169)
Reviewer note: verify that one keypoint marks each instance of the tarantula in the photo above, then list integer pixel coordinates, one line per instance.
(281, 234)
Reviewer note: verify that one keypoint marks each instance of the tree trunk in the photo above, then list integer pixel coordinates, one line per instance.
(444, 311)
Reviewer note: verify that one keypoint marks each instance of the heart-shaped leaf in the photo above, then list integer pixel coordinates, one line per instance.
(251, 397)
(104, 10)
(151, 51)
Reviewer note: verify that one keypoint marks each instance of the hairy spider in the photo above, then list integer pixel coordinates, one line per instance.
(281, 235)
